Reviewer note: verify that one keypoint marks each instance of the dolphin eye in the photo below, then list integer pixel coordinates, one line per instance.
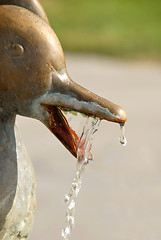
(16, 50)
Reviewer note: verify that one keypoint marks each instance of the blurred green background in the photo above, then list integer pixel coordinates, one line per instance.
(120, 28)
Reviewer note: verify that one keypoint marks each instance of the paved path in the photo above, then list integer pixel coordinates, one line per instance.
(121, 194)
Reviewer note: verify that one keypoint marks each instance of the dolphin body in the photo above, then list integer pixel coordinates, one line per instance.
(34, 82)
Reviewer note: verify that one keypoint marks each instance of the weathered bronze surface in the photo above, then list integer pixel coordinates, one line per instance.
(34, 83)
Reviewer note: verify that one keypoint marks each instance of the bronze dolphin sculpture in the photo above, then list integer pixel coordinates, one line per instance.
(34, 83)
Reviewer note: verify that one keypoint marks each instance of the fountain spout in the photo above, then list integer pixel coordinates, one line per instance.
(65, 94)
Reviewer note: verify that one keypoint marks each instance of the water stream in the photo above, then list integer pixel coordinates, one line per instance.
(84, 157)
(85, 133)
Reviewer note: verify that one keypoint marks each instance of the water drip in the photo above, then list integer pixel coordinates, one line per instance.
(123, 140)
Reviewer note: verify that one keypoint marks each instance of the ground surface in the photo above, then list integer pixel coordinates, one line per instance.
(121, 194)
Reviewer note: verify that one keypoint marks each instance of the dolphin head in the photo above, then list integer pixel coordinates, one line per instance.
(34, 81)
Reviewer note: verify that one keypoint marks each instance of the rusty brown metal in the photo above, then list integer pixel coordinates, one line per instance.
(65, 133)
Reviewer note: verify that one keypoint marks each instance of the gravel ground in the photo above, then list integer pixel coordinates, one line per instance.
(121, 194)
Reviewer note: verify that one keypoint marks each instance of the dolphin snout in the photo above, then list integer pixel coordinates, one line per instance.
(70, 95)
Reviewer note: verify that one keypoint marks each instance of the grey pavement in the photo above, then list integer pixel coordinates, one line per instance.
(120, 197)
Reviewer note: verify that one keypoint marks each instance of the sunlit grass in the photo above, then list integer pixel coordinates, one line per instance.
(126, 28)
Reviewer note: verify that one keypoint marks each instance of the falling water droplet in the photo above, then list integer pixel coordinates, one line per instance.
(123, 140)
(66, 198)
(74, 185)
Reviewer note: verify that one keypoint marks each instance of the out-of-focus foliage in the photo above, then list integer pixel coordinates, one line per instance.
(128, 28)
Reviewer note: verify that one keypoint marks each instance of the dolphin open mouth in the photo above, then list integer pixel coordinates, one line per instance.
(59, 126)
